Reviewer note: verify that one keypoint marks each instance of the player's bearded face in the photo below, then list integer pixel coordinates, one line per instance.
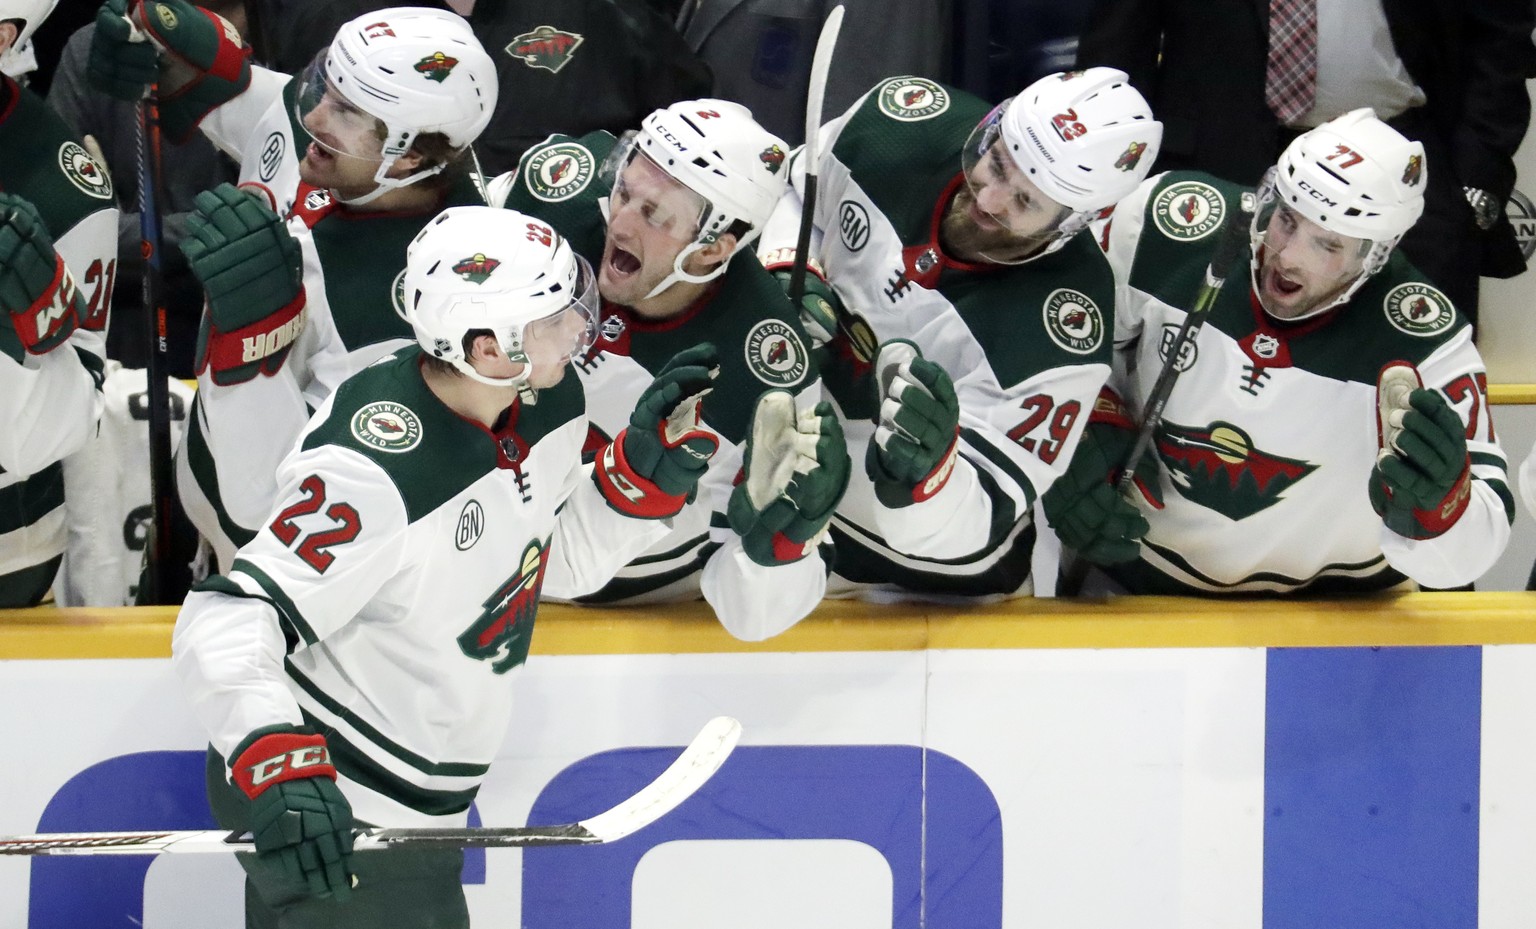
(998, 212)
(1303, 266)
(651, 219)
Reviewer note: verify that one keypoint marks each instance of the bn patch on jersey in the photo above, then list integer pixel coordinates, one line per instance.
(84, 171)
(387, 426)
(1073, 321)
(1419, 309)
(559, 172)
(775, 354)
(1188, 210)
(910, 99)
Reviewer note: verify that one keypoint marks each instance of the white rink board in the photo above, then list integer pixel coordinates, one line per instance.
(1129, 783)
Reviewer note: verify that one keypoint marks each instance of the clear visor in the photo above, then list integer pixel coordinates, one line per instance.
(333, 121)
(1299, 247)
(1000, 191)
(641, 189)
(568, 332)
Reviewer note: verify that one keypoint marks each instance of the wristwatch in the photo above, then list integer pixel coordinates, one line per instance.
(1485, 207)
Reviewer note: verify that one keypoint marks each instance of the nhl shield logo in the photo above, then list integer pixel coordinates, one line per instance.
(387, 427)
(559, 172)
(476, 268)
(1189, 210)
(85, 172)
(910, 99)
(775, 353)
(545, 47)
(436, 66)
(1073, 321)
(1419, 309)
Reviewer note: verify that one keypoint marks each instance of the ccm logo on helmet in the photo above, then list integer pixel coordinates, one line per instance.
(1316, 194)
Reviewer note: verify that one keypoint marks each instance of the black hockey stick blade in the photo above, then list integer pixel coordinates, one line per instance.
(690, 771)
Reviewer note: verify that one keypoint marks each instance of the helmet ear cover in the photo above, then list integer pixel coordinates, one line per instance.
(31, 13)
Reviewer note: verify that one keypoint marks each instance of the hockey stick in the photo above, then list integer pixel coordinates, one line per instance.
(1233, 236)
(821, 65)
(690, 771)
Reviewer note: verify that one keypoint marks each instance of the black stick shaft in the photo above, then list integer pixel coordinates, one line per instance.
(158, 550)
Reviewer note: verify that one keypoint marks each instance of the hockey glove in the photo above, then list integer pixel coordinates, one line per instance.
(41, 302)
(1084, 506)
(794, 474)
(299, 819)
(652, 468)
(1422, 481)
(250, 268)
(914, 448)
(205, 63)
(842, 342)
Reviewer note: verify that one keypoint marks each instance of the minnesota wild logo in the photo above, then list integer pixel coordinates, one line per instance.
(558, 172)
(387, 427)
(1415, 170)
(1418, 309)
(545, 47)
(84, 172)
(1131, 157)
(1218, 468)
(775, 354)
(1188, 210)
(773, 157)
(436, 66)
(476, 268)
(912, 98)
(503, 630)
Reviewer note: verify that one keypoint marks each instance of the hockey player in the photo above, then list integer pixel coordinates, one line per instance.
(668, 221)
(1330, 428)
(350, 666)
(58, 258)
(951, 235)
(372, 140)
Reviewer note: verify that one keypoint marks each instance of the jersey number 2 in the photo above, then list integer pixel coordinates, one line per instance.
(313, 550)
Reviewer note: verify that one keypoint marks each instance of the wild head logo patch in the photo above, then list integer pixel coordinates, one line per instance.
(559, 172)
(1414, 172)
(476, 268)
(436, 66)
(503, 630)
(1131, 157)
(1219, 468)
(910, 99)
(1188, 210)
(1073, 321)
(85, 172)
(1419, 309)
(545, 47)
(387, 427)
(775, 353)
(773, 158)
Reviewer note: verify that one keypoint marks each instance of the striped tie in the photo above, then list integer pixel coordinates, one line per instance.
(1290, 78)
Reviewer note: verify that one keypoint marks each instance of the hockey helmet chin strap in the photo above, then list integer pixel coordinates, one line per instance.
(678, 274)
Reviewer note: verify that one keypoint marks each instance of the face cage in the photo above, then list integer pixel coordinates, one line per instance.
(973, 157)
(1266, 205)
(315, 86)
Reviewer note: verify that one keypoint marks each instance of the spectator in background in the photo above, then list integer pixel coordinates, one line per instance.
(1449, 74)
(191, 166)
(760, 51)
(568, 66)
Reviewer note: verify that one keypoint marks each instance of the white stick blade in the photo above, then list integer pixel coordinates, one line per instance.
(692, 769)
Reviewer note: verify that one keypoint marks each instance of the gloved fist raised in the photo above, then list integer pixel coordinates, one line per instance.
(41, 302)
(251, 270)
(1085, 506)
(122, 63)
(652, 468)
(914, 448)
(1422, 481)
(794, 474)
(299, 819)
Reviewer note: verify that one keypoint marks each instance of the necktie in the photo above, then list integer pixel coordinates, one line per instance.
(1290, 77)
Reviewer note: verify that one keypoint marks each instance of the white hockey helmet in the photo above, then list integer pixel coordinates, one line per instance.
(482, 268)
(31, 13)
(416, 71)
(717, 150)
(1353, 175)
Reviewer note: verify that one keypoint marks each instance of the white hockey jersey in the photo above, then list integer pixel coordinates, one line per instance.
(396, 583)
(1268, 439)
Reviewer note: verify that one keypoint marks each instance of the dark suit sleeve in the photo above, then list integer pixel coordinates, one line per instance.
(1496, 110)
(1124, 34)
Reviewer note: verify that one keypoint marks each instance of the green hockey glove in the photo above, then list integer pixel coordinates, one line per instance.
(915, 445)
(122, 64)
(1422, 481)
(794, 473)
(842, 342)
(299, 818)
(1084, 505)
(821, 309)
(652, 468)
(251, 269)
(41, 302)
